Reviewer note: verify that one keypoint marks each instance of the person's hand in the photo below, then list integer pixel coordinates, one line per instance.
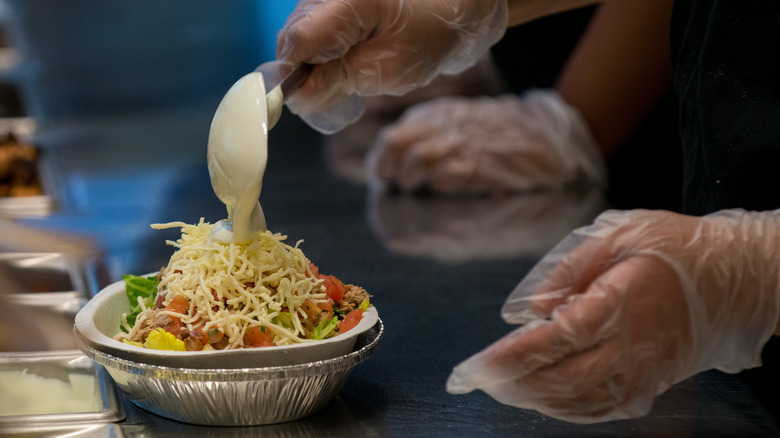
(487, 145)
(363, 48)
(345, 151)
(629, 306)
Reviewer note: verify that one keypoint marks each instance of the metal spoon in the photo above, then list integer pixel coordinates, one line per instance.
(279, 94)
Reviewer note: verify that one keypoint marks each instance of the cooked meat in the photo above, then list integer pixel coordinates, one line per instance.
(353, 297)
(154, 321)
(323, 316)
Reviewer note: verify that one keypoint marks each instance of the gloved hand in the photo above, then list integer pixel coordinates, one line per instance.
(381, 47)
(625, 308)
(487, 146)
(345, 151)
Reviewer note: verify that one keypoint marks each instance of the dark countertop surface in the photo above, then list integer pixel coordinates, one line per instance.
(438, 269)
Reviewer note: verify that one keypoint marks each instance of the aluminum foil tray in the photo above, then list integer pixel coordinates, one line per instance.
(236, 397)
(106, 407)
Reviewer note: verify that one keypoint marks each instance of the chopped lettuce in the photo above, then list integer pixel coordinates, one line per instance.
(324, 328)
(135, 287)
(284, 319)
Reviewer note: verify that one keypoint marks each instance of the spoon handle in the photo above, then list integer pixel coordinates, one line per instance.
(294, 80)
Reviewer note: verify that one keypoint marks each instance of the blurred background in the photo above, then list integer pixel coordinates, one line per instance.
(105, 109)
(82, 57)
(117, 99)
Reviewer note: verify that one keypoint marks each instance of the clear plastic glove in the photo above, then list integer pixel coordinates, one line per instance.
(346, 150)
(363, 48)
(625, 308)
(487, 145)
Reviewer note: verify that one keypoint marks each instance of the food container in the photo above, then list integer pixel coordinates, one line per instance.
(239, 387)
(98, 322)
(100, 430)
(237, 397)
(53, 368)
(46, 280)
(38, 173)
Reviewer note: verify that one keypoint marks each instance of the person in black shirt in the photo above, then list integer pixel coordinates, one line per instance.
(620, 310)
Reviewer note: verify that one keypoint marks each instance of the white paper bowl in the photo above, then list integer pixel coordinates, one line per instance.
(98, 321)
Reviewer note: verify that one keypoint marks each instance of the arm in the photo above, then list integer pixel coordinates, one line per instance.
(620, 69)
(523, 11)
(390, 47)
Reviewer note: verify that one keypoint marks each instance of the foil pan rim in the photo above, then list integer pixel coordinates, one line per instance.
(366, 345)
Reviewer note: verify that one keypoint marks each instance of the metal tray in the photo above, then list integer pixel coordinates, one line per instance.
(102, 430)
(51, 280)
(107, 406)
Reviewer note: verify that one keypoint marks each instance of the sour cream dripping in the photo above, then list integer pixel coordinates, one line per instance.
(238, 153)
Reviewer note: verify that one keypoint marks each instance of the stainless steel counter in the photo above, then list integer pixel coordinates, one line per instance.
(438, 271)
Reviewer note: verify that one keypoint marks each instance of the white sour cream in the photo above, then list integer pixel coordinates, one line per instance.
(26, 393)
(238, 153)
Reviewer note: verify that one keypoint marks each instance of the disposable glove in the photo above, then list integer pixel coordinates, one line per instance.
(363, 48)
(346, 150)
(625, 308)
(487, 145)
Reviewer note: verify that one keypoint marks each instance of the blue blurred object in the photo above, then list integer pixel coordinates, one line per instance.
(123, 94)
(272, 15)
(85, 57)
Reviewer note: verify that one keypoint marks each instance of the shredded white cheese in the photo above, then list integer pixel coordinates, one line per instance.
(232, 287)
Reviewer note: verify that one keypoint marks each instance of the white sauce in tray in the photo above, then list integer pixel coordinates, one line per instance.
(238, 153)
(26, 393)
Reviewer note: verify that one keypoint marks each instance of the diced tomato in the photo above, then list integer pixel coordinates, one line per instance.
(178, 304)
(199, 335)
(334, 288)
(311, 310)
(174, 327)
(327, 306)
(258, 336)
(212, 336)
(350, 321)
